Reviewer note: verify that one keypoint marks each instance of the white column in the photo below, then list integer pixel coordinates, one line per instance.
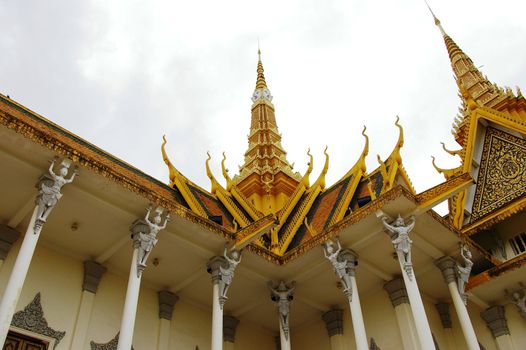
(281, 294)
(144, 236)
(82, 321)
(344, 264)
(92, 274)
(357, 318)
(130, 305)
(498, 325)
(283, 336)
(230, 324)
(17, 277)
(448, 267)
(445, 319)
(399, 234)
(419, 314)
(48, 196)
(400, 300)
(221, 269)
(217, 319)
(334, 323)
(167, 302)
(163, 342)
(337, 342)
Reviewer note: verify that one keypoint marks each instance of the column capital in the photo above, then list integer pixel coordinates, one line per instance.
(445, 316)
(49, 185)
(213, 267)
(333, 321)
(448, 266)
(343, 262)
(93, 272)
(496, 320)
(397, 292)
(167, 302)
(222, 269)
(229, 328)
(8, 236)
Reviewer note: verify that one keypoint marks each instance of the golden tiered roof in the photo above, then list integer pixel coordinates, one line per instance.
(266, 185)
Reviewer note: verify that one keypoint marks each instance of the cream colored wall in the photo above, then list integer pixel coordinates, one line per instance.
(191, 326)
(311, 337)
(380, 321)
(252, 337)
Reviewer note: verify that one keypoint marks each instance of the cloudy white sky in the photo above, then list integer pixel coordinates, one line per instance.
(122, 73)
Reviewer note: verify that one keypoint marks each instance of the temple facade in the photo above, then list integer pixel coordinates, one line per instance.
(95, 254)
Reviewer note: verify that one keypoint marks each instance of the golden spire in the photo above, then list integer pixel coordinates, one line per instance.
(266, 170)
(437, 21)
(467, 74)
(260, 82)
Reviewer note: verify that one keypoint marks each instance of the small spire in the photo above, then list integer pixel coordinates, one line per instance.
(437, 21)
(260, 83)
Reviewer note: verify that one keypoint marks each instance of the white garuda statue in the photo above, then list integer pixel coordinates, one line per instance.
(148, 240)
(518, 300)
(227, 274)
(282, 295)
(342, 268)
(48, 196)
(401, 241)
(464, 271)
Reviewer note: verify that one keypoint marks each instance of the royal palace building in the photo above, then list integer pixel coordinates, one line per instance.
(95, 254)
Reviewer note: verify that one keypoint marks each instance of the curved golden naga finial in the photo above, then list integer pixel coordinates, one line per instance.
(400, 142)
(448, 173)
(171, 168)
(209, 173)
(321, 179)
(453, 153)
(305, 178)
(365, 151)
(225, 173)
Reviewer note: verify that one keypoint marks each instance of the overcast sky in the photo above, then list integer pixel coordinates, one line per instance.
(120, 74)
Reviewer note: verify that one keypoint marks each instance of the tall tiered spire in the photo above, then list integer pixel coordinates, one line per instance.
(467, 74)
(266, 170)
(260, 83)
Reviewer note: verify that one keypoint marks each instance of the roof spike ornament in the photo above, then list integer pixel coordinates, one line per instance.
(437, 21)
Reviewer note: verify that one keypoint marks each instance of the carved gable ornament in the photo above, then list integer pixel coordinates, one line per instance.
(111, 345)
(32, 319)
(502, 173)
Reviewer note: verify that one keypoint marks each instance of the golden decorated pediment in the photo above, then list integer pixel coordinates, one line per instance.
(502, 173)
